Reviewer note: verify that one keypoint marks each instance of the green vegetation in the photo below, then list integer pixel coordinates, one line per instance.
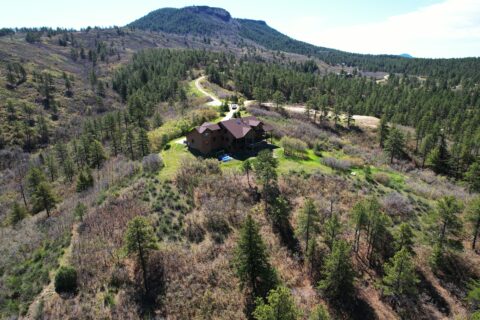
(280, 306)
(66, 280)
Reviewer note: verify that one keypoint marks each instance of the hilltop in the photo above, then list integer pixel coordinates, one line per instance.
(207, 21)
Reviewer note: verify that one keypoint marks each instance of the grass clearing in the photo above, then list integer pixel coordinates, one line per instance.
(172, 158)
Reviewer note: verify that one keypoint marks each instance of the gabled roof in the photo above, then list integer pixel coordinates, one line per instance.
(208, 126)
(251, 121)
(237, 127)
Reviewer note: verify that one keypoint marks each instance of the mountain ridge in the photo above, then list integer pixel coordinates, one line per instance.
(209, 22)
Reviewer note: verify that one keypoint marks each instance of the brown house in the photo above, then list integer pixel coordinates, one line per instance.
(231, 135)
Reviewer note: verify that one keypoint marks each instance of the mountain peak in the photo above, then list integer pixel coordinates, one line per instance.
(196, 20)
(219, 13)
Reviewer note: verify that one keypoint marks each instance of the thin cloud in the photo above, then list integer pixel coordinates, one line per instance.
(447, 29)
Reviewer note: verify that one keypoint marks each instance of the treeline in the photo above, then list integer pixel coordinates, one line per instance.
(153, 76)
(452, 69)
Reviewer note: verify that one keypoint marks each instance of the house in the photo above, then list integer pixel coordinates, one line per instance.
(231, 135)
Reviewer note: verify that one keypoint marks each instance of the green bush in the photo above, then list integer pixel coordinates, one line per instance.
(66, 279)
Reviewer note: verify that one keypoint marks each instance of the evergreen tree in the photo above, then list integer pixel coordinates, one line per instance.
(395, 143)
(338, 274)
(400, 278)
(439, 158)
(426, 147)
(308, 222)
(17, 214)
(280, 306)
(278, 99)
(51, 164)
(129, 142)
(140, 239)
(404, 237)
(251, 260)
(359, 218)
(383, 131)
(68, 168)
(247, 167)
(331, 230)
(265, 170)
(143, 143)
(472, 177)
(443, 227)
(84, 180)
(80, 211)
(320, 313)
(34, 177)
(473, 298)
(44, 198)
(97, 154)
(473, 217)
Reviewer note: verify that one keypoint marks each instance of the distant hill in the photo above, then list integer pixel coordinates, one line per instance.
(217, 22)
(406, 55)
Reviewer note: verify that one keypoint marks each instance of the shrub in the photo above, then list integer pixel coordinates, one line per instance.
(337, 164)
(152, 163)
(382, 178)
(66, 279)
(397, 204)
(293, 147)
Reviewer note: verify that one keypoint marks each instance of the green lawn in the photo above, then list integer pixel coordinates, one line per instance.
(172, 159)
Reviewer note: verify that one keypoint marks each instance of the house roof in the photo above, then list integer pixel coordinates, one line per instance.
(237, 127)
(209, 126)
(251, 121)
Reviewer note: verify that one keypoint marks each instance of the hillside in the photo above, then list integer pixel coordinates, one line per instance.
(347, 197)
(206, 21)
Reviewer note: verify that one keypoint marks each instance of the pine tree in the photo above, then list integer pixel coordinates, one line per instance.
(97, 154)
(338, 274)
(395, 143)
(439, 158)
(331, 230)
(319, 313)
(80, 211)
(443, 227)
(17, 214)
(278, 99)
(43, 198)
(51, 164)
(247, 167)
(251, 260)
(359, 219)
(308, 222)
(265, 170)
(140, 239)
(472, 177)
(34, 177)
(404, 237)
(84, 180)
(400, 278)
(143, 143)
(426, 147)
(383, 131)
(280, 306)
(473, 216)
(129, 142)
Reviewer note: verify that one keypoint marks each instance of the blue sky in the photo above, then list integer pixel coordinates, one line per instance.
(423, 28)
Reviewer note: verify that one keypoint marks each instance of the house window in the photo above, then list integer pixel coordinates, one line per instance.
(214, 139)
(193, 141)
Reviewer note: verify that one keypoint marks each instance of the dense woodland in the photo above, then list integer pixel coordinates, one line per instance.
(106, 215)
